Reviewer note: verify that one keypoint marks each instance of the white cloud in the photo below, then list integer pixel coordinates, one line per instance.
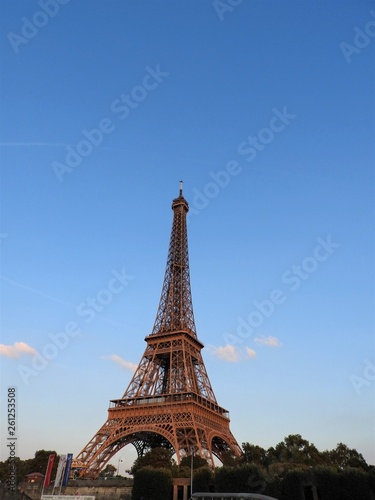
(227, 353)
(16, 350)
(270, 341)
(250, 352)
(126, 365)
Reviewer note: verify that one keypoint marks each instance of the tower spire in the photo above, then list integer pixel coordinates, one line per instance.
(175, 311)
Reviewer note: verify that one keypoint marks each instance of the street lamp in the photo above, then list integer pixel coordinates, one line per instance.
(191, 471)
(118, 466)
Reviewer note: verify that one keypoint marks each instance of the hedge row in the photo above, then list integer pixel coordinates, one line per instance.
(152, 484)
(331, 484)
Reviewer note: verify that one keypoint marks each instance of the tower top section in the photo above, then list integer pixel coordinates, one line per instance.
(175, 311)
(180, 202)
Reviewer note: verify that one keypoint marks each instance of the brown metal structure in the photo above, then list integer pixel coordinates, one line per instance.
(169, 401)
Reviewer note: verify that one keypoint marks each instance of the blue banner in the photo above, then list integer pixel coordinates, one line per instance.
(68, 464)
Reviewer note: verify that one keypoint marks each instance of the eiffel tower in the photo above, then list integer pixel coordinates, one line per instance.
(169, 401)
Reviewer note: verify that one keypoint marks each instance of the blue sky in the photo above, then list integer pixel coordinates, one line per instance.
(266, 110)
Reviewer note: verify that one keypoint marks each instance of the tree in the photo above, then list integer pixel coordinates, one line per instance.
(5, 469)
(198, 462)
(203, 479)
(178, 471)
(152, 484)
(156, 458)
(241, 479)
(108, 471)
(23, 467)
(345, 484)
(343, 457)
(292, 485)
(230, 459)
(254, 454)
(40, 461)
(295, 449)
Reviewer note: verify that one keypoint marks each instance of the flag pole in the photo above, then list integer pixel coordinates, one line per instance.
(62, 477)
(58, 477)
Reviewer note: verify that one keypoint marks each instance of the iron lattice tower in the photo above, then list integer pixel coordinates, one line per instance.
(169, 401)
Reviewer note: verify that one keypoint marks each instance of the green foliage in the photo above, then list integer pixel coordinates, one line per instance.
(254, 454)
(328, 483)
(295, 449)
(371, 478)
(37, 464)
(292, 485)
(342, 457)
(198, 462)
(354, 482)
(242, 479)
(152, 484)
(230, 459)
(273, 487)
(202, 479)
(343, 484)
(5, 469)
(281, 471)
(178, 471)
(287, 482)
(108, 471)
(157, 457)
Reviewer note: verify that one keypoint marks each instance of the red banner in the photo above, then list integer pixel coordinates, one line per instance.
(47, 478)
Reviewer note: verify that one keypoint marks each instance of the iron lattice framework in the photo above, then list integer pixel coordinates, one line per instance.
(169, 401)
(175, 311)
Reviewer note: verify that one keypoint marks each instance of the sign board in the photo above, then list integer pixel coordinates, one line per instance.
(68, 497)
